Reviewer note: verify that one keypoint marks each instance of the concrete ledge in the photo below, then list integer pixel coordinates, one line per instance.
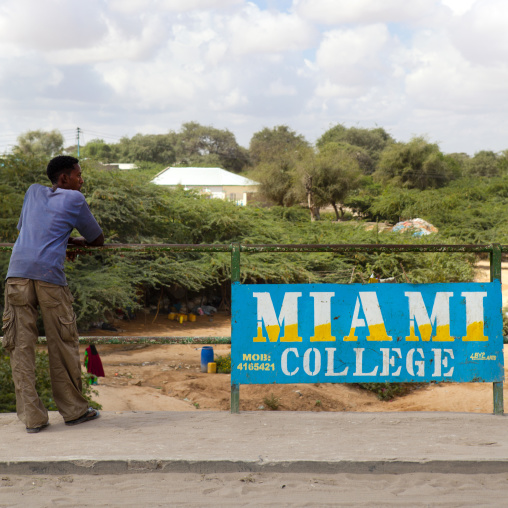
(279, 442)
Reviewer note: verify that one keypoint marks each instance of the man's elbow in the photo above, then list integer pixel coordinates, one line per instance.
(99, 241)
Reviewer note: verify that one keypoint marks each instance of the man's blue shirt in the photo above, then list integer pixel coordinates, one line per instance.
(47, 218)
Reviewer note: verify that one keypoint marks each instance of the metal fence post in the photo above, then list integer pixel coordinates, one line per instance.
(495, 274)
(235, 277)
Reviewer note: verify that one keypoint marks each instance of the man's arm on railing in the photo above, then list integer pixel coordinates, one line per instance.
(81, 242)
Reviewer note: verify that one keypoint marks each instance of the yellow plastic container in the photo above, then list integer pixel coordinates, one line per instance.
(192, 317)
(212, 368)
(373, 279)
(172, 316)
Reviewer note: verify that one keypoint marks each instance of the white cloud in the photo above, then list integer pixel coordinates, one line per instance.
(52, 24)
(230, 100)
(187, 5)
(458, 7)
(481, 34)
(366, 11)
(256, 31)
(278, 89)
(135, 6)
(26, 76)
(353, 58)
(442, 79)
(116, 45)
(125, 66)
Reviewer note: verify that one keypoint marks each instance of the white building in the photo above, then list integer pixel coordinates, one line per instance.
(214, 182)
(123, 166)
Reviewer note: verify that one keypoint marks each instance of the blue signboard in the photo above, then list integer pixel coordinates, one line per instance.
(334, 333)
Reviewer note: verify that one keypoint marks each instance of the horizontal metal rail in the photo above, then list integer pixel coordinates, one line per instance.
(346, 248)
(144, 247)
(252, 248)
(136, 339)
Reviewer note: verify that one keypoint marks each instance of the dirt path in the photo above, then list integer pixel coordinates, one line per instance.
(482, 274)
(255, 489)
(168, 377)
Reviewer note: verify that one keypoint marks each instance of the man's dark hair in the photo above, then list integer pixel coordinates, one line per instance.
(60, 164)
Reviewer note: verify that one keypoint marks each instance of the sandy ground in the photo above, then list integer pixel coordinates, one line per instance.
(255, 489)
(168, 377)
(482, 274)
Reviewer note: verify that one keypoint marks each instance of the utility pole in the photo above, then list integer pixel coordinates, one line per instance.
(78, 132)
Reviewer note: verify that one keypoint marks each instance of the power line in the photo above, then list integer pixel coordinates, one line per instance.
(108, 136)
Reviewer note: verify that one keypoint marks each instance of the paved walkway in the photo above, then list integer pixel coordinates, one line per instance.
(263, 441)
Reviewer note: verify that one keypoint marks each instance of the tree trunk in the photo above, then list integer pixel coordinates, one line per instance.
(314, 210)
(336, 212)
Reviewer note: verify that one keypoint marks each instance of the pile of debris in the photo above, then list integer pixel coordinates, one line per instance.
(418, 227)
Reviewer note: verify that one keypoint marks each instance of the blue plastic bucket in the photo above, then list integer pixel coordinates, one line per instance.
(206, 357)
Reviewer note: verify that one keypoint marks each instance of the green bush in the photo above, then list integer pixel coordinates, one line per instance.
(223, 364)
(388, 391)
(272, 402)
(42, 383)
(7, 395)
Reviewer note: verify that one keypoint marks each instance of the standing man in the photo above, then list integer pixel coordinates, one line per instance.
(36, 278)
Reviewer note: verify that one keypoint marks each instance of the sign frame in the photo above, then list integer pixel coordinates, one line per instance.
(494, 250)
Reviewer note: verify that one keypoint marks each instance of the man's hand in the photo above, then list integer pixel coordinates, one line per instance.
(77, 241)
(71, 255)
(81, 242)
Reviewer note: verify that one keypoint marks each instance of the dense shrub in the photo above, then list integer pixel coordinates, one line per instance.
(43, 384)
(223, 364)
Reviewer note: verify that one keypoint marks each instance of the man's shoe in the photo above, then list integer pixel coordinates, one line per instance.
(91, 414)
(34, 430)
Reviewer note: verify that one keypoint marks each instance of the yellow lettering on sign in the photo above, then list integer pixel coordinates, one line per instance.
(351, 337)
(290, 334)
(323, 333)
(474, 316)
(288, 317)
(443, 334)
(419, 317)
(475, 332)
(378, 333)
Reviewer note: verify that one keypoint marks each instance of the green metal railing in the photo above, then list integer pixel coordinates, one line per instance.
(494, 250)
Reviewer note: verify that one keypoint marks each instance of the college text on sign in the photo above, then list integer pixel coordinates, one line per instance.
(307, 333)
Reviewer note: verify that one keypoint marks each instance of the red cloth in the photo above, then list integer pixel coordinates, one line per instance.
(94, 363)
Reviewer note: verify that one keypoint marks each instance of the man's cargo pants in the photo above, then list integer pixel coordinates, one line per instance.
(22, 297)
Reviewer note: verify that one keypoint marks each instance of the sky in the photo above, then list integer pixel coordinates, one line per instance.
(113, 68)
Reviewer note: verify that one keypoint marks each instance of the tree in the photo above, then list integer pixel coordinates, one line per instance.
(277, 182)
(99, 150)
(484, 163)
(372, 141)
(417, 164)
(200, 145)
(365, 162)
(276, 145)
(328, 176)
(503, 161)
(158, 148)
(457, 163)
(275, 152)
(39, 144)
